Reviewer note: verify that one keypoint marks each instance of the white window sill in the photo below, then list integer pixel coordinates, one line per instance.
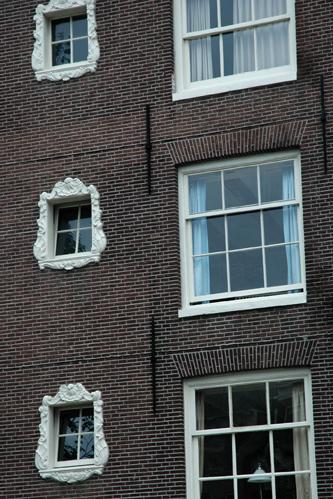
(246, 304)
(69, 262)
(66, 71)
(236, 82)
(71, 474)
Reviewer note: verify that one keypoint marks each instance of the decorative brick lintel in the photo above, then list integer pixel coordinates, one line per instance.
(248, 358)
(266, 138)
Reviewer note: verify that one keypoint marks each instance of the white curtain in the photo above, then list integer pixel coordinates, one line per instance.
(198, 18)
(273, 45)
(269, 8)
(243, 39)
(290, 228)
(199, 237)
(300, 441)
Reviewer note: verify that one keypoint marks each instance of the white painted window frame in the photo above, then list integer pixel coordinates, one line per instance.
(185, 89)
(189, 308)
(191, 451)
(75, 192)
(42, 51)
(69, 396)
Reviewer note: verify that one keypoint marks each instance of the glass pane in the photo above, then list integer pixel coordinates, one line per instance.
(252, 450)
(205, 58)
(87, 446)
(61, 53)
(66, 243)
(205, 192)
(241, 187)
(283, 265)
(216, 454)
(291, 450)
(287, 403)
(69, 421)
(80, 50)
(67, 448)
(222, 489)
(280, 225)
(246, 271)
(273, 45)
(293, 487)
(249, 405)
(244, 230)
(208, 235)
(87, 423)
(210, 275)
(84, 240)
(264, 8)
(80, 26)
(201, 14)
(235, 11)
(212, 408)
(248, 489)
(60, 29)
(67, 218)
(85, 216)
(277, 182)
(238, 52)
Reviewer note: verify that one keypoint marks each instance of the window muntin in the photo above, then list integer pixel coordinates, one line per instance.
(226, 43)
(75, 436)
(266, 446)
(69, 40)
(73, 229)
(243, 234)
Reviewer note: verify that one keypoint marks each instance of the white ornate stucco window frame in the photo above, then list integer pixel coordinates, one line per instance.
(45, 458)
(41, 56)
(70, 190)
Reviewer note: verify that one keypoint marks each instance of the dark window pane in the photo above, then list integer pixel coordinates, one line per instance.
(66, 243)
(249, 405)
(85, 217)
(210, 275)
(222, 489)
(80, 50)
(287, 402)
(212, 408)
(252, 449)
(79, 26)
(60, 29)
(69, 421)
(293, 487)
(67, 448)
(205, 192)
(208, 235)
(67, 218)
(277, 181)
(241, 187)
(233, 12)
(87, 423)
(283, 265)
(238, 52)
(291, 450)
(280, 225)
(216, 454)
(84, 240)
(248, 489)
(244, 230)
(61, 53)
(87, 446)
(246, 271)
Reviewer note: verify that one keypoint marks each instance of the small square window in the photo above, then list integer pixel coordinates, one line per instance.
(72, 446)
(66, 41)
(250, 436)
(241, 234)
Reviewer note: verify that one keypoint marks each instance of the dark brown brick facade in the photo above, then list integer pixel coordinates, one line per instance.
(92, 325)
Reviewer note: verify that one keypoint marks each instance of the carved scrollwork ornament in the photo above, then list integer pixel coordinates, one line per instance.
(44, 461)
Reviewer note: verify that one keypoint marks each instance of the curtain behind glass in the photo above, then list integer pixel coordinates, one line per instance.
(290, 228)
(243, 39)
(200, 238)
(300, 441)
